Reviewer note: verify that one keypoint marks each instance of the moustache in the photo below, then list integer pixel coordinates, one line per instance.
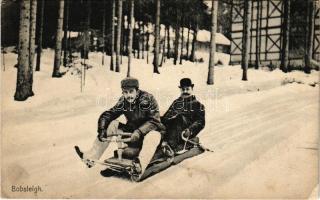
(185, 93)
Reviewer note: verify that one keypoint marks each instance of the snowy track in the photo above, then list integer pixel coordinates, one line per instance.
(265, 143)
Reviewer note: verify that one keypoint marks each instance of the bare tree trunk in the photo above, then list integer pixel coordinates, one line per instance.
(33, 23)
(188, 43)
(246, 38)
(69, 46)
(112, 34)
(57, 56)
(168, 40)
(162, 53)
(157, 39)
(65, 36)
(286, 37)
(131, 26)
(309, 36)
(119, 25)
(176, 44)
(24, 81)
(122, 39)
(163, 48)
(143, 38)
(148, 46)
(39, 49)
(103, 30)
(182, 42)
(214, 13)
(194, 45)
(139, 41)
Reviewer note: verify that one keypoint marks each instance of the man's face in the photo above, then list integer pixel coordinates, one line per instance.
(130, 94)
(186, 91)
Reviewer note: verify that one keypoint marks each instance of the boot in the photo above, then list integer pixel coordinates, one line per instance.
(88, 163)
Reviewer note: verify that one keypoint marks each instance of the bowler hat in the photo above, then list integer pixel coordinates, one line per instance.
(186, 82)
(129, 82)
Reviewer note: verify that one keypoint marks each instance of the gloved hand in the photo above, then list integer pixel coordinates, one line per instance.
(164, 143)
(102, 133)
(135, 136)
(186, 133)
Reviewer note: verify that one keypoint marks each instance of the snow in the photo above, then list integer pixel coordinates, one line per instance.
(204, 36)
(264, 132)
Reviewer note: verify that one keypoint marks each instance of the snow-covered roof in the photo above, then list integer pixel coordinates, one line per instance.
(204, 36)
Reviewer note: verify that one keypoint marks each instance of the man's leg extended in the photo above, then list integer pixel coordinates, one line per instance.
(99, 147)
(150, 144)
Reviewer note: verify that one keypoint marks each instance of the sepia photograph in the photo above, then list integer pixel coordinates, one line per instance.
(160, 99)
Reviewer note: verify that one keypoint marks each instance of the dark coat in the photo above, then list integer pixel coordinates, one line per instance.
(182, 114)
(142, 115)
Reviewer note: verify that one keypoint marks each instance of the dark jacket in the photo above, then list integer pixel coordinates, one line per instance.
(182, 114)
(142, 115)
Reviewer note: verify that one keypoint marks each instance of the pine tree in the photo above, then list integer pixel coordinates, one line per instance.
(103, 30)
(65, 33)
(214, 13)
(246, 38)
(32, 47)
(112, 34)
(131, 27)
(57, 56)
(309, 35)
(286, 37)
(157, 39)
(119, 26)
(40, 35)
(24, 81)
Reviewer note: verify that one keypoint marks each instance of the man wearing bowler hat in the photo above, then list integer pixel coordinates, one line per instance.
(185, 117)
(142, 113)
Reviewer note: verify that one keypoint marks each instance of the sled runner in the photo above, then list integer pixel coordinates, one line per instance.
(145, 164)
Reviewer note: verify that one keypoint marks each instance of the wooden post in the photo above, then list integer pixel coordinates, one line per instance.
(286, 37)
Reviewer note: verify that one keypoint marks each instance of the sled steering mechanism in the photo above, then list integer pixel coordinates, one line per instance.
(186, 139)
(119, 140)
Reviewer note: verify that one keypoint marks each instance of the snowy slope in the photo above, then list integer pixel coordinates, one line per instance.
(264, 132)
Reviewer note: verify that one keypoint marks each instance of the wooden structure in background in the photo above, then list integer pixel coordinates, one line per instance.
(267, 22)
(316, 41)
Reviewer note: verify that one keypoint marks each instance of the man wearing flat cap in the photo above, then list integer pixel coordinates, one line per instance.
(185, 117)
(142, 113)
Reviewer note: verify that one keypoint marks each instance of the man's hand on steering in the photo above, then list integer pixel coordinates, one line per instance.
(102, 133)
(135, 136)
(186, 133)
